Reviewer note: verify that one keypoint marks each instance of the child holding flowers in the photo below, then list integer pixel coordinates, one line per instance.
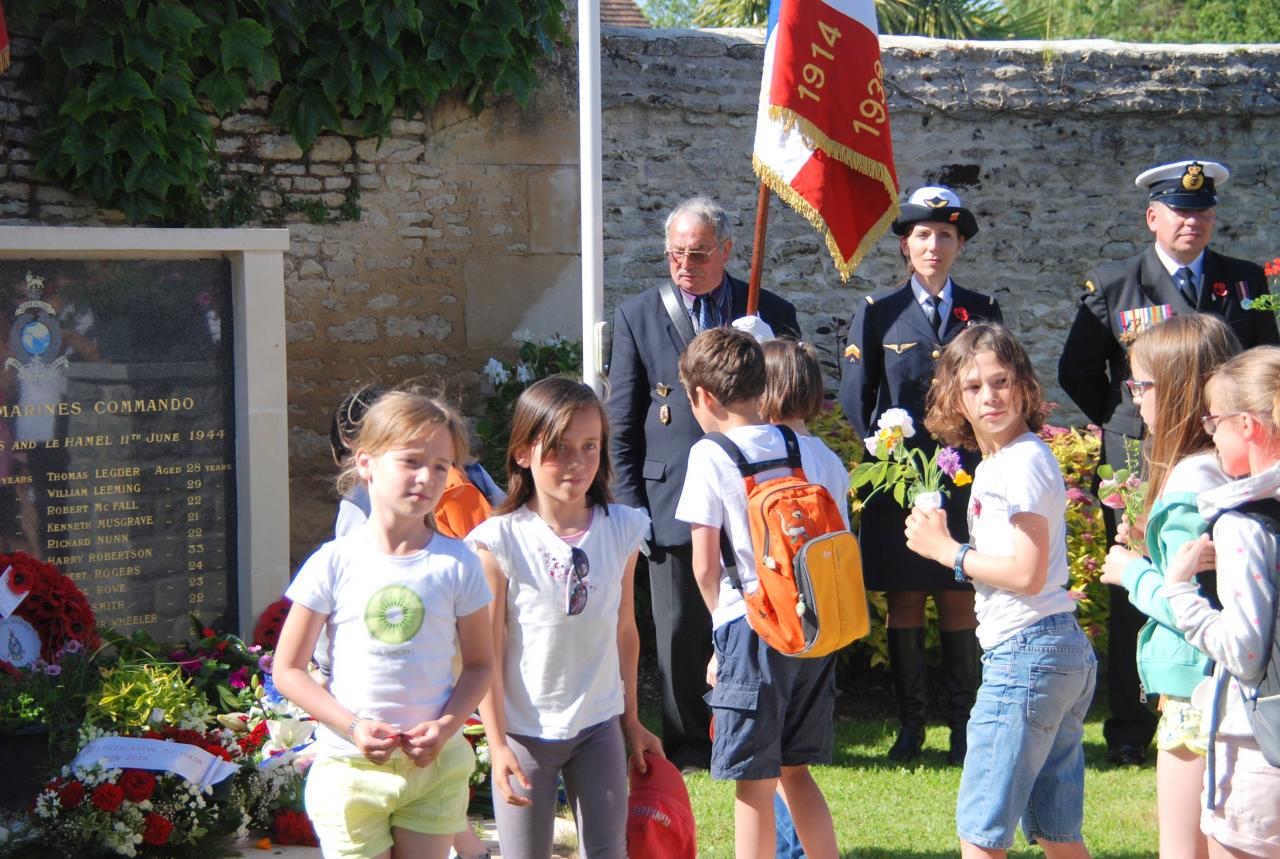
(895, 339)
(1026, 753)
(398, 599)
(1170, 364)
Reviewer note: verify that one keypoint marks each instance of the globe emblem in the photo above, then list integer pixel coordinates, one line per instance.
(36, 338)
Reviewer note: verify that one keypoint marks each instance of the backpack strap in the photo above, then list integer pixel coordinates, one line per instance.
(749, 470)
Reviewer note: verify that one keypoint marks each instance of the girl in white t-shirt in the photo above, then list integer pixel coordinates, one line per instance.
(560, 560)
(1025, 755)
(398, 600)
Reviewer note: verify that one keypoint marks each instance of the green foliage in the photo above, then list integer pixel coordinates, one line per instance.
(132, 693)
(126, 86)
(53, 697)
(538, 360)
(670, 14)
(946, 19)
(1155, 20)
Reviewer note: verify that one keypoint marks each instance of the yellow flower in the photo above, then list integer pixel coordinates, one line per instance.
(962, 478)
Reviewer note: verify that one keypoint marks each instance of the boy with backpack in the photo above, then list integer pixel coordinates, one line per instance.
(773, 712)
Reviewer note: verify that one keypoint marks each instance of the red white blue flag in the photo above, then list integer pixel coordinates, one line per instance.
(822, 131)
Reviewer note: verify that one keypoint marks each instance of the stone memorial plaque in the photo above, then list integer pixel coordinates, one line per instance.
(117, 423)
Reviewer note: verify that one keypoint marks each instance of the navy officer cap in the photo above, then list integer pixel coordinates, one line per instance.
(1184, 184)
(936, 204)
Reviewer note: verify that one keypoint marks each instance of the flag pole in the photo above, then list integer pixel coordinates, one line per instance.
(757, 249)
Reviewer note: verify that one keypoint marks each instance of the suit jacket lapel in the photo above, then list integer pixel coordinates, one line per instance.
(1158, 286)
(1213, 274)
(737, 298)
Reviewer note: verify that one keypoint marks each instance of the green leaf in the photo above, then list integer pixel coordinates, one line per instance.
(225, 92)
(243, 45)
(517, 80)
(129, 85)
(174, 21)
(305, 113)
(138, 48)
(97, 51)
(1106, 472)
(175, 90)
(899, 494)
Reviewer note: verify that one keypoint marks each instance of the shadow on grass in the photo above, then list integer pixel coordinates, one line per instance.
(898, 853)
(864, 743)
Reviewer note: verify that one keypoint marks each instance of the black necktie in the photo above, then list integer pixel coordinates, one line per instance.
(1183, 278)
(931, 303)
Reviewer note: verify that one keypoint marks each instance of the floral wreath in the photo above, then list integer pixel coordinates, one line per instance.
(54, 607)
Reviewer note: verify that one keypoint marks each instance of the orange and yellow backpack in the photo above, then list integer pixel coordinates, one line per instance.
(810, 600)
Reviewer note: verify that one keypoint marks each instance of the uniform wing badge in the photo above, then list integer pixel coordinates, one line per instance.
(899, 348)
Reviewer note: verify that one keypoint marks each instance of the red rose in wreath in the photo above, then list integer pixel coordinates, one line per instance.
(71, 795)
(294, 827)
(155, 830)
(107, 797)
(961, 314)
(1220, 289)
(137, 785)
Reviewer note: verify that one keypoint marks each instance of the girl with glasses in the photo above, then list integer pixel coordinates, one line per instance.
(1241, 811)
(560, 559)
(1171, 364)
(398, 600)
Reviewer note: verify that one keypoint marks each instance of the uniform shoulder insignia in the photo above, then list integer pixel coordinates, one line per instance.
(1088, 284)
(852, 352)
(870, 300)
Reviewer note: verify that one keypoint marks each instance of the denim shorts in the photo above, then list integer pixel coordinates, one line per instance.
(1026, 752)
(770, 710)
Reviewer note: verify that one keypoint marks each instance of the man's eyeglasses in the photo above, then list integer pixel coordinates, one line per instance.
(693, 257)
(576, 586)
(1138, 387)
(1211, 422)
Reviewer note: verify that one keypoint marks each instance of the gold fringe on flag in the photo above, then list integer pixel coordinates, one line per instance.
(788, 195)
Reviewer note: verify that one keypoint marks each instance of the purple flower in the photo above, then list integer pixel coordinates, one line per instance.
(72, 646)
(949, 461)
(53, 670)
(265, 662)
(239, 678)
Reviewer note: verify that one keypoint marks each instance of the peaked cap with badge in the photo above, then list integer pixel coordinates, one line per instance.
(1184, 184)
(936, 204)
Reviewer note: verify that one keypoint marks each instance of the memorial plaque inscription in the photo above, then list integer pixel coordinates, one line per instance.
(117, 428)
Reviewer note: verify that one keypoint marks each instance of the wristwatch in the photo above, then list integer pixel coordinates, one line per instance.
(957, 565)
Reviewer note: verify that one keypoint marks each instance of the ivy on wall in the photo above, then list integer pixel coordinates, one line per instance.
(127, 86)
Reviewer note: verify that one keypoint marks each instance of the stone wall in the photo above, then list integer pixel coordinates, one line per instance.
(469, 225)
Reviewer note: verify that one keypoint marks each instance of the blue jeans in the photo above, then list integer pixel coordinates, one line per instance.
(788, 842)
(1026, 753)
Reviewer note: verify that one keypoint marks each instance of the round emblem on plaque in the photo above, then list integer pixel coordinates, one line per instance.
(19, 641)
(36, 338)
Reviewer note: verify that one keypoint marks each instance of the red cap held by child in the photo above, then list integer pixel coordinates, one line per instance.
(659, 818)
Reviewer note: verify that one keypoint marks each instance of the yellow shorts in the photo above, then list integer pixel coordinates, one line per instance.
(1181, 725)
(355, 803)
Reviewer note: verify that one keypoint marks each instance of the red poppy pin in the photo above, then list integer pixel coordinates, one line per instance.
(961, 314)
(1220, 289)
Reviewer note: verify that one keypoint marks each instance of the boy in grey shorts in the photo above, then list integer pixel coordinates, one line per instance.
(773, 713)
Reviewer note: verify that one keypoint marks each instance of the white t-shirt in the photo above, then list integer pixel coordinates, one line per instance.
(715, 495)
(561, 673)
(1021, 477)
(393, 624)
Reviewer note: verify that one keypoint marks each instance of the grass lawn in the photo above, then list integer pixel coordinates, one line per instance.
(884, 810)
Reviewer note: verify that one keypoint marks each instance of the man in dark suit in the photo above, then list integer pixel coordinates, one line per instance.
(1177, 274)
(652, 429)
(895, 341)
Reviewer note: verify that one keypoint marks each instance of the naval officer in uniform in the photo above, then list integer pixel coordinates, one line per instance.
(1177, 273)
(895, 340)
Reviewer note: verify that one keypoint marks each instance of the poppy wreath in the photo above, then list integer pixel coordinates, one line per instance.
(53, 605)
(266, 632)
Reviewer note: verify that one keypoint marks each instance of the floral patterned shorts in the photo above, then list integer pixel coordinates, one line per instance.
(1181, 725)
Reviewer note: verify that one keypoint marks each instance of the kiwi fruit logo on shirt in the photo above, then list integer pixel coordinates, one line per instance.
(394, 614)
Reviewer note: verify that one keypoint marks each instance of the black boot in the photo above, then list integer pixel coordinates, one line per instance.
(962, 673)
(907, 666)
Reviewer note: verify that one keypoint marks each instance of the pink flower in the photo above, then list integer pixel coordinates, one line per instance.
(1077, 595)
(239, 678)
(1114, 501)
(1075, 495)
(949, 461)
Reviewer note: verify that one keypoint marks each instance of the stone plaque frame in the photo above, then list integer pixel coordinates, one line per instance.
(256, 258)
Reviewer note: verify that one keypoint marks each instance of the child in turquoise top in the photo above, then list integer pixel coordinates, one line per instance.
(1170, 365)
